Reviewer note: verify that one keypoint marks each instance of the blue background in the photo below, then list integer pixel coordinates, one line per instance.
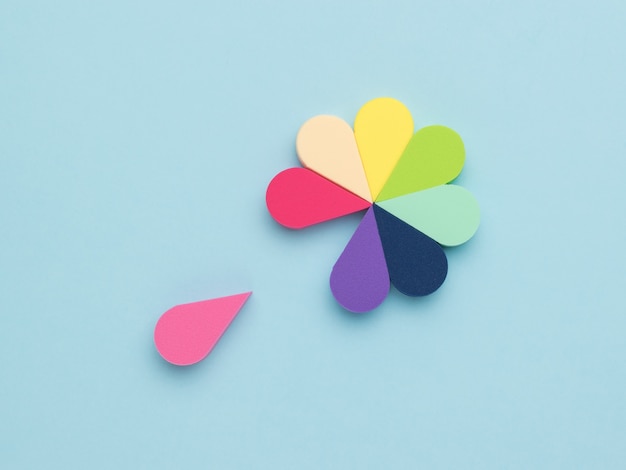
(136, 142)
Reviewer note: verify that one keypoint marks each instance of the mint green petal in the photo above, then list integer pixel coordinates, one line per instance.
(435, 155)
(449, 214)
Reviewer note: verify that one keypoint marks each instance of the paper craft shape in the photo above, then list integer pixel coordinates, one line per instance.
(298, 197)
(382, 129)
(326, 145)
(435, 155)
(360, 279)
(187, 333)
(448, 214)
(417, 264)
(411, 210)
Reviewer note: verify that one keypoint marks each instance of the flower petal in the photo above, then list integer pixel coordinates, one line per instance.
(185, 334)
(417, 264)
(298, 197)
(434, 156)
(382, 128)
(448, 213)
(326, 145)
(360, 280)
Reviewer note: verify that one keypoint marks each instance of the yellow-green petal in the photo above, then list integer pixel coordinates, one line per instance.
(448, 214)
(435, 155)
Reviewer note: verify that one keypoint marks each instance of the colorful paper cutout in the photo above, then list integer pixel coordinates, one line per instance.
(382, 129)
(187, 333)
(298, 197)
(326, 145)
(360, 280)
(414, 211)
(435, 155)
(449, 214)
(417, 264)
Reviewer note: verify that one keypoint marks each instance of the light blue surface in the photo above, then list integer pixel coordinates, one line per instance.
(136, 142)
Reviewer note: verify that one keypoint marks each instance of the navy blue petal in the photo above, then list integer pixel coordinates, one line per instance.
(417, 264)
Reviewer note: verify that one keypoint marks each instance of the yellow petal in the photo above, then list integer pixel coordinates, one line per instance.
(383, 128)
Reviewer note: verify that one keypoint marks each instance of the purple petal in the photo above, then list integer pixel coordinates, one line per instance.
(360, 280)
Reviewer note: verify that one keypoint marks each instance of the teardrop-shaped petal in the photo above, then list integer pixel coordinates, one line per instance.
(449, 214)
(298, 197)
(382, 128)
(360, 280)
(417, 264)
(434, 156)
(326, 145)
(187, 333)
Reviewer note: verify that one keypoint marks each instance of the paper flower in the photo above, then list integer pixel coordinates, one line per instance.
(400, 178)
